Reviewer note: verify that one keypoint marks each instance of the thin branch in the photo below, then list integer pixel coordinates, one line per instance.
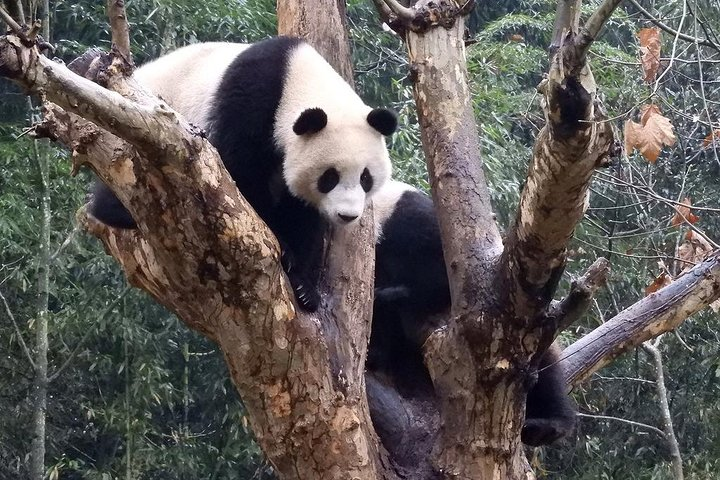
(89, 331)
(591, 29)
(64, 244)
(120, 29)
(582, 291)
(404, 13)
(654, 352)
(17, 331)
(672, 31)
(7, 18)
(624, 420)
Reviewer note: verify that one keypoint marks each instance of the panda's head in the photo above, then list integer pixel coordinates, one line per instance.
(336, 164)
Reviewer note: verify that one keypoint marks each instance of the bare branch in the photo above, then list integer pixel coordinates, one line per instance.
(593, 25)
(582, 291)
(661, 390)
(120, 29)
(653, 315)
(402, 12)
(24, 346)
(682, 36)
(7, 18)
(624, 420)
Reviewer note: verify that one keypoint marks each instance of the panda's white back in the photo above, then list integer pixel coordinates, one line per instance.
(188, 77)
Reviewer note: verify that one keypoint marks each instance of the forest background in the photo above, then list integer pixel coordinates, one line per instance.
(134, 394)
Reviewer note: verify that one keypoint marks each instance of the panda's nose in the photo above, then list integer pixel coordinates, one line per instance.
(347, 218)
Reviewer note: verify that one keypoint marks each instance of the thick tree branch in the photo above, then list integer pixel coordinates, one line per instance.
(655, 314)
(199, 239)
(574, 141)
(571, 308)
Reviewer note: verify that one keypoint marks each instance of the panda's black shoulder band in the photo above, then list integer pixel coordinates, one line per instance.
(383, 120)
(311, 120)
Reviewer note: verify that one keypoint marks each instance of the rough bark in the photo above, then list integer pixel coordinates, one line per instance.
(480, 360)
(655, 314)
(323, 24)
(305, 407)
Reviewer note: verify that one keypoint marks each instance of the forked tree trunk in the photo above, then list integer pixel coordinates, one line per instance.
(301, 377)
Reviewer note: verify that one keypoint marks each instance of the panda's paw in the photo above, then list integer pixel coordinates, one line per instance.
(544, 431)
(308, 299)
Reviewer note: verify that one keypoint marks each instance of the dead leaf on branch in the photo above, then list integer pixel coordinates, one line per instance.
(692, 251)
(649, 136)
(662, 280)
(713, 137)
(684, 214)
(649, 52)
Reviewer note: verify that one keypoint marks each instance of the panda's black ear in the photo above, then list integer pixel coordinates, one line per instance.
(311, 120)
(383, 120)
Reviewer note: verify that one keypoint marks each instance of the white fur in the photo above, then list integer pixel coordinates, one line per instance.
(188, 77)
(348, 143)
(385, 200)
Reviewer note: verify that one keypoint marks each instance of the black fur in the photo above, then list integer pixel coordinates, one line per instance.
(382, 120)
(411, 291)
(311, 120)
(241, 127)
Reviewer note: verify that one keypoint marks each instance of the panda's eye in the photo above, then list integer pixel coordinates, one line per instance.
(328, 180)
(366, 180)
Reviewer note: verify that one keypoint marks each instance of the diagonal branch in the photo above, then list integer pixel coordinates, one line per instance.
(574, 141)
(682, 36)
(657, 313)
(21, 340)
(571, 308)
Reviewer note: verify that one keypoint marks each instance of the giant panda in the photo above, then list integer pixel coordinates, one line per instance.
(302, 147)
(412, 292)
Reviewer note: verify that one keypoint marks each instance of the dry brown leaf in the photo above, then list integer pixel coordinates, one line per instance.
(692, 251)
(661, 281)
(713, 136)
(684, 214)
(649, 52)
(649, 136)
(648, 110)
(516, 37)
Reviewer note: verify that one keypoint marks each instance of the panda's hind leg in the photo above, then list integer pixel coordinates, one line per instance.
(550, 412)
(106, 207)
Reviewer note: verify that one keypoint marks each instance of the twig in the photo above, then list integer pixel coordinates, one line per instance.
(17, 331)
(64, 244)
(7, 18)
(672, 31)
(623, 420)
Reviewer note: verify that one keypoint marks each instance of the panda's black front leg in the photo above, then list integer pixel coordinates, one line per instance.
(305, 289)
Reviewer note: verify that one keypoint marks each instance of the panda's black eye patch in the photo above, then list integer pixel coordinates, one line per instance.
(328, 180)
(366, 180)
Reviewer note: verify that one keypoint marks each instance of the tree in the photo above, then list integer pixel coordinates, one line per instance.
(479, 376)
